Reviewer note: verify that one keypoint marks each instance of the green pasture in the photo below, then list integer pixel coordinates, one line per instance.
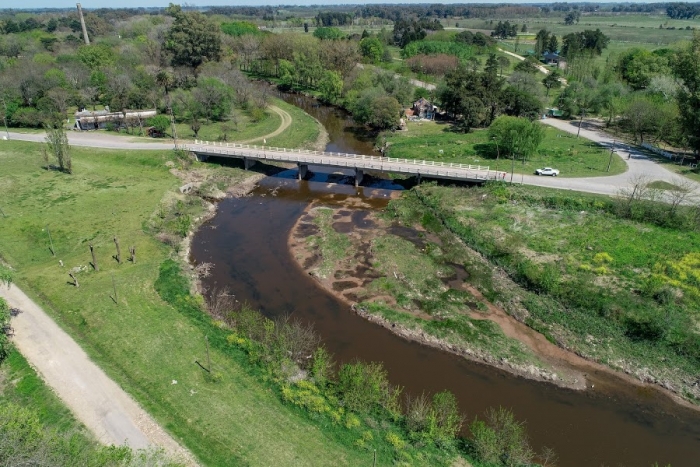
(574, 157)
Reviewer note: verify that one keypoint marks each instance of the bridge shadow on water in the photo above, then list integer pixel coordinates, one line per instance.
(372, 179)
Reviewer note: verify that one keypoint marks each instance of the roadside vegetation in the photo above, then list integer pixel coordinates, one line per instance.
(37, 429)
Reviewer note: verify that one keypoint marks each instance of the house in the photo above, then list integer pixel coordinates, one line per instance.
(100, 119)
(423, 108)
(553, 58)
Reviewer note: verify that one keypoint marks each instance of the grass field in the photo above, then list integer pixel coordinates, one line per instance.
(574, 157)
(617, 290)
(141, 342)
(301, 133)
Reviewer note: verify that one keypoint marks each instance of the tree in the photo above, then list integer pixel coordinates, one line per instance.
(541, 42)
(501, 440)
(572, 17)
(5, 342)
(641, 117)
(503, 62)
(638, 66)
(371, 48)
(516, 136)
(686, 67)
(518, 103)
(527, 66)
(331, 86)
(159, 122)
(57, 146)
(192, 39)
(385, 113)
(214, 97)
(328, 33)
(552, 81)
(553, 44)
(587, 42)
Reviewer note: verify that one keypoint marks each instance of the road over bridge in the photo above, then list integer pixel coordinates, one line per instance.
(358, 162)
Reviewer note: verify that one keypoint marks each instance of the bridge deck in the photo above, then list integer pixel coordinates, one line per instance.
(342, 160)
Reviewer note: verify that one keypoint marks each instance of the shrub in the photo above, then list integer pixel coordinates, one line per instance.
(501, 440)
(365, 388)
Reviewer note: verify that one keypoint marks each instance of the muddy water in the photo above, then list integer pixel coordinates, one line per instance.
(613, 424)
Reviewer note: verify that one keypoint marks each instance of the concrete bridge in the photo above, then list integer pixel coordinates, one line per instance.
(358, 162)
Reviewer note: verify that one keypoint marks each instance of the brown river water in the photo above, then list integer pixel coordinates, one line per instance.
(613, 424)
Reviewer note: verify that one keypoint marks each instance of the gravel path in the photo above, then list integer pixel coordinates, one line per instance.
(97, 401)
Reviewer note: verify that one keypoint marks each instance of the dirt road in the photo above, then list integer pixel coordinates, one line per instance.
(102, 406)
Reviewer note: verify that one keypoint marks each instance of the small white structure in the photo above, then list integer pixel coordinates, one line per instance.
(99, 119)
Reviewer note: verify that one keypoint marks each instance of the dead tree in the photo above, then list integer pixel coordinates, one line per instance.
(132, 253)
(119, 251)
(94, 259)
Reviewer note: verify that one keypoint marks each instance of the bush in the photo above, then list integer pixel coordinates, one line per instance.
(365, 388)
(501, 440)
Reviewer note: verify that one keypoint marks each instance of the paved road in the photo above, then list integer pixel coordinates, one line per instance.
(639, 164)
(97, 401)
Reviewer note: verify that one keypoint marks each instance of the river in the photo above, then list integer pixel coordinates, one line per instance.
(614, 423)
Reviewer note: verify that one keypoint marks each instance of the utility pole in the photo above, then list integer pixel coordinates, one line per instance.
(580, 122)
(4, 117)
(612, 150)
(82, 24)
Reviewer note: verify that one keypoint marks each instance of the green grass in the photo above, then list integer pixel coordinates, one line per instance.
(663, 185)
(20, 384)
(574, 157)
(333, 245)
(141, 342)
(301, 133)
(616, 290)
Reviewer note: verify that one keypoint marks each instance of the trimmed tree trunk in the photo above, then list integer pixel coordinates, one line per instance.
(119, 251)
(132, 252)
(94, 259)
(75, 279)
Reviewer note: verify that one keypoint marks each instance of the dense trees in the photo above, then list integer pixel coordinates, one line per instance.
(192, 39)
(686, 67)
(638, 66)
(682, 10)
(585, 42)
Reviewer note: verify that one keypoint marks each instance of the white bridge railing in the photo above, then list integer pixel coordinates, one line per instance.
(347, 160)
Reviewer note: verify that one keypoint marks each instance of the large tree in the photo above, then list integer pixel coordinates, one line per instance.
(516, 137)
(686, 67)
(192, 39)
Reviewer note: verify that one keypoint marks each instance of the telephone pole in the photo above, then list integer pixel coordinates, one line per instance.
(82, 24)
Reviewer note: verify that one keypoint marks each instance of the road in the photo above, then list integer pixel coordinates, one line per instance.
(639, 164)
(97, 401)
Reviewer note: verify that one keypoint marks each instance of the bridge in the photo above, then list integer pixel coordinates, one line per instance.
(358, 162)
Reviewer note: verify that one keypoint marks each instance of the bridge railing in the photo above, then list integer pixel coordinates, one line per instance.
(420, 162)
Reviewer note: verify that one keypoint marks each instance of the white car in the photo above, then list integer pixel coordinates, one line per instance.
(547, 171)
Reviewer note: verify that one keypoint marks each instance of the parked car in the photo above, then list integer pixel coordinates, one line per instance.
(547, 171)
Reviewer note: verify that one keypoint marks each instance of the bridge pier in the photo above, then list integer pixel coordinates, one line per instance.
(418, 179)
(359, 175)
(202, 157)
(248, 163)
(303, 170)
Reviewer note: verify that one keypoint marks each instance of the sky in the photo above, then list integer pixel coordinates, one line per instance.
(87, 4)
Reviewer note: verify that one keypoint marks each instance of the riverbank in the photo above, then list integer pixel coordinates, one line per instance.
(339, 255)
(134, 197)
(354, 270)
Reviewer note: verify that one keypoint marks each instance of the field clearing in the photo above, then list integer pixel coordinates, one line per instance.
(141, 342)
(574, 157)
